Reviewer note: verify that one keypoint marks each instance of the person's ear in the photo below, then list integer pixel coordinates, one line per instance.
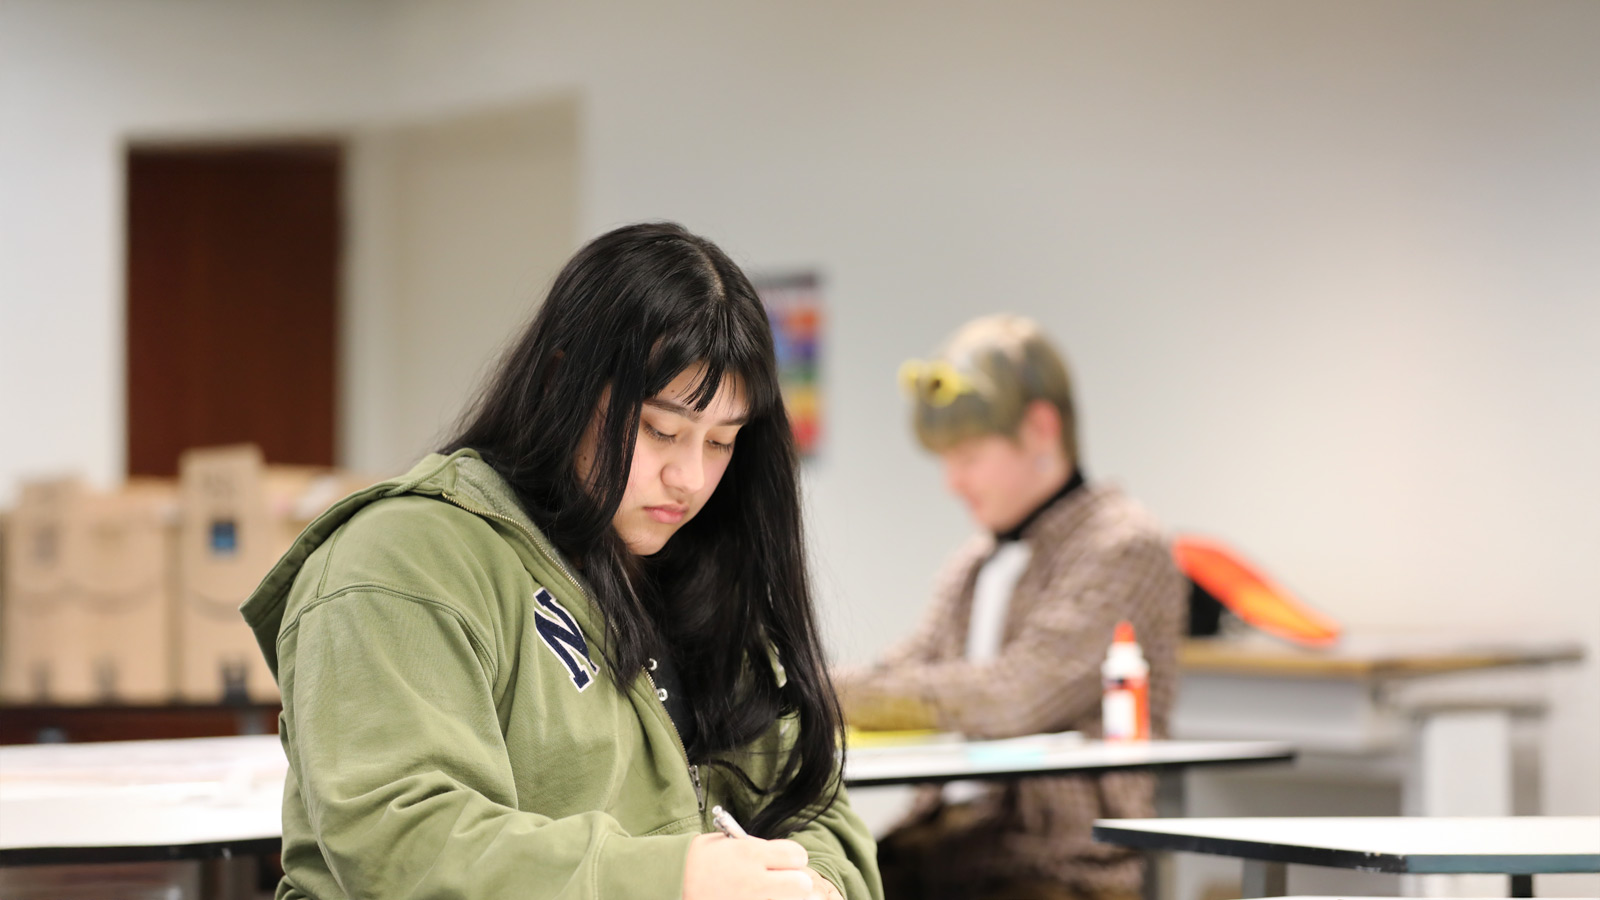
(1041, 427)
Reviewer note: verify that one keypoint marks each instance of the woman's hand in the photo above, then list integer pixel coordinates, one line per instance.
(723, 868)
(822, 888)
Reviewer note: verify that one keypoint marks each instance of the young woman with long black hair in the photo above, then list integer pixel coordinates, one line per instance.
(532, 666)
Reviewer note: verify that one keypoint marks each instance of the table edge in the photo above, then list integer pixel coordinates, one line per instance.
(78, 855)
(1195, 658)
(1008, 773)
(1366, 861)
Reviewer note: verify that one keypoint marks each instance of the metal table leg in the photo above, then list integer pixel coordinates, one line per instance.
(1265, 879)
(1160, 869)
(229, 877)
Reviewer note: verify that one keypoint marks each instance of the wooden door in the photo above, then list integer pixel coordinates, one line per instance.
(233, 286)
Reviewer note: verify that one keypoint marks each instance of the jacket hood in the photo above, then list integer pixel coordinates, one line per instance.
(462, 478)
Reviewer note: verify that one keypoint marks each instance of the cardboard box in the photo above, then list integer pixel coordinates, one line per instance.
(238, 517)
(89, 588)
(133, 597)
(122, 554)
(40, 619)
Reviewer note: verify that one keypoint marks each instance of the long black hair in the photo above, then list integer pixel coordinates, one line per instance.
(631, 311)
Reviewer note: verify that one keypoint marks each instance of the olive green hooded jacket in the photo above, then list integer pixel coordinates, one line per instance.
(453, 730)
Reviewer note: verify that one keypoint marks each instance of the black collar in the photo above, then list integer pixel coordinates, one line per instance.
(1015, 533)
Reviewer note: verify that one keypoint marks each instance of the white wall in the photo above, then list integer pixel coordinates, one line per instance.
(455, 226)
(77, 80)
(1325, 270)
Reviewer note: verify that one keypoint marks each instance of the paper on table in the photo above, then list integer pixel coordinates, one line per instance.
(215, 768)
(1021, 748)
(946, 744)
(857, 738)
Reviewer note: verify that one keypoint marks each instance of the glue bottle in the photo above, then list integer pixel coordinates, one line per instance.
(1125, 708)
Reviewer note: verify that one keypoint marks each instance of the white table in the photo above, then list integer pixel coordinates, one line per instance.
(1037, 755)
(218, 801)
(212, 799)
(1519, 846)
(1443, 706)
(1450, 719)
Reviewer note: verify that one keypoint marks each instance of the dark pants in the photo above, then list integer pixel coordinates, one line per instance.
(953, 856)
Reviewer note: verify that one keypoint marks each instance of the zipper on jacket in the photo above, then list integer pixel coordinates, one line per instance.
(694, 770)
(534, 539)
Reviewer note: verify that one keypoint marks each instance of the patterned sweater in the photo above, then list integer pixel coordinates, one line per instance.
(1098, 557)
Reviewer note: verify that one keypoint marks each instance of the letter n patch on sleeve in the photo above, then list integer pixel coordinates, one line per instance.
(560, 633)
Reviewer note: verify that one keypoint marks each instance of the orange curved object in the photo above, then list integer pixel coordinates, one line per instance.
(1252, 596)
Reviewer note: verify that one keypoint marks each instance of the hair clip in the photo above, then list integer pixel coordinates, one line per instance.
(938, 383)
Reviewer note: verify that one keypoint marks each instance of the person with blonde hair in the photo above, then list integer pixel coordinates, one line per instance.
(1021, 621)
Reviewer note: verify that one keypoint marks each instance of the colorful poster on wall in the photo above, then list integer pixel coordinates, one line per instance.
(794, 306)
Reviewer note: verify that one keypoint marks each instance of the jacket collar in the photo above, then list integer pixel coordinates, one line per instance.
(1016, 532)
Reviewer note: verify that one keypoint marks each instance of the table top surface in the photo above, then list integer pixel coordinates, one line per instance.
(204, 797)
(119, 801)
(1372, 655)
(1511, 845)
(1066, 753)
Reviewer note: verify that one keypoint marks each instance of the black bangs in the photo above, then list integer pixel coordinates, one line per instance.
(728, 338)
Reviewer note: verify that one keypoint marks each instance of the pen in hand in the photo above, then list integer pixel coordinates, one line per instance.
(821, 888)
(726, 823)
